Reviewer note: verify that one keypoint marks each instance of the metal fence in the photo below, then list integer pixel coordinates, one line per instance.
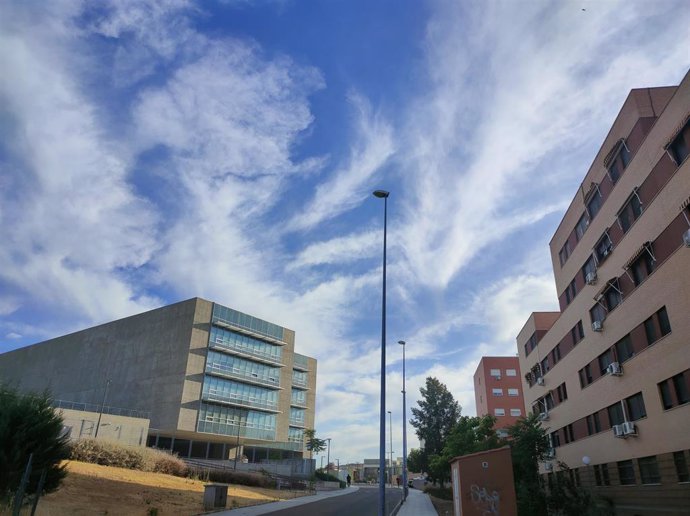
(93, 407)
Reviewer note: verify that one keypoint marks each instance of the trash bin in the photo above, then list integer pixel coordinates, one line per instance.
(215, 495)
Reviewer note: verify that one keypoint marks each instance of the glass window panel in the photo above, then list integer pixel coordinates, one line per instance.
(681, 387)
(626, 472)
(649, 470)
(624, 349)
(635, 406)
(665, 392)
(664, 323)
(616, 414)
(681, 466)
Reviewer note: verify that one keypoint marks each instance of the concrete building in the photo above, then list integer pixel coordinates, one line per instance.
(610, 372)
(207, 376)
(498, 390)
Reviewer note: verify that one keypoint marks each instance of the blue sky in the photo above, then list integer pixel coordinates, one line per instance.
(155, 151)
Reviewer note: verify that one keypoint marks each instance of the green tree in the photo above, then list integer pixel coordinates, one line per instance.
(436, 416)
(28, 424)
(415, 461)
(529, 446)
(565, 497)
(313, 443)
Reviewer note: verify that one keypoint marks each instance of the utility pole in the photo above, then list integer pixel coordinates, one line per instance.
(105, 394)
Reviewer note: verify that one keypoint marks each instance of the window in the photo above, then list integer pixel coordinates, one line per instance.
(585, 376)
(515, 412)
(597, 313)
(642, 267)
(681, 386)
(593, 423)
(626, 472)
(650, 331)
(603, 247)
(624, 349)
(581, 226)
(613, 295)
(619, 162)
(681, 466)
(531, 344)
(556, 354)
(499, 412)
(590, 267)
(605, 359)
(513, 392)
(496, 373)
(664, 323)
(594, 203)
(614, 172)
(635, 407)
(674, 391)
(570, 292)
(562, 393)
(601, 475)
(616, 414)
(665, 393)
(679, 148)
(564, 253)
(555, 439)
(545, 365)
(548, 400)
(497, 392)
(511, 372)
(568, 433)
(630, 212)
(649, 470)
(577, 333)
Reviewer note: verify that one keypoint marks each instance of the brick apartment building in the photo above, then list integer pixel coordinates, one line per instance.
(610, 372)
(498, 390)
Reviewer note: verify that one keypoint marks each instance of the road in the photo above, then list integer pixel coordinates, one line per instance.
(363, 502)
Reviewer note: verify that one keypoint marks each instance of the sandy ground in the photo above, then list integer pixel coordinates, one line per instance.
(90, 489)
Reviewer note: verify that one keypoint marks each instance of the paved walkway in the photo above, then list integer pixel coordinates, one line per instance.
(265, 508)
(417, 504)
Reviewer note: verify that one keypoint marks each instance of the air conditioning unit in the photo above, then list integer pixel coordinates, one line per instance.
(605, 252)
(544, 416)
(540, 380)
(591, 278)
(550, 453)
(598, 326)
(629, 428)
(614, 369)
(548, 466)
(618, 431)
(686, 238)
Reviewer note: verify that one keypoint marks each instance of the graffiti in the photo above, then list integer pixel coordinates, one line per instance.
(483, 501)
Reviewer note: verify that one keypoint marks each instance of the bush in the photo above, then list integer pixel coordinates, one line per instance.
(444, 493)
(28, 424)
(321, 475)
(228, 476)
(130, 457)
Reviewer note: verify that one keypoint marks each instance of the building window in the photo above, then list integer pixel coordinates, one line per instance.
(511, 372)
(649, 470)
(515, 412)
(594, 203)
(642, 267)
(635, 407)
(570, 292)
(513, 392)
(556, 354)
(499, 412)
(585, 376)
(555, 439)
(581, 226)
(619, 162)
(664, 323)
(568, 433)
(589, 268)
(626, 472)
(577, 333)
(531, 344)
(674, 391)
(605, 359)
(616, 414)
(665, 393)
(497, 392)
(650, 331)
(564, 253)
(603, 247)
(597, 313)
(681, 466)
(679, 148)
(562, 393)
(593, 424)
(613, 295)
(495, 373)
(601, 475)
(545, 365)
(624, 349)
(630, 212)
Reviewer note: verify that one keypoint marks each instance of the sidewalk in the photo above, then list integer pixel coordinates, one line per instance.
(255, 510)
(417, 504)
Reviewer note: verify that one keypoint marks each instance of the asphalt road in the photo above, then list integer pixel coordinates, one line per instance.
(363, 502)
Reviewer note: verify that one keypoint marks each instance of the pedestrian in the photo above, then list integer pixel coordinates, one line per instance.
(397, 479)
(349, 479)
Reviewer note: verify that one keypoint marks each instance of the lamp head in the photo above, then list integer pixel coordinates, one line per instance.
(381, 194)
(401, 342)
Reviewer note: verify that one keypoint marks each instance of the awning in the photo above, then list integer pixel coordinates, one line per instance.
(647, 246)
(613, 152)
(685, 204)
(613, 282)
(594, 187)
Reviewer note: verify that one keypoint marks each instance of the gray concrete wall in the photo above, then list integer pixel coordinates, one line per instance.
(121, 429)
(144, 356)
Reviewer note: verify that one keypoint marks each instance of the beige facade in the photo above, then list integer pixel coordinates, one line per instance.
(610, 372)
(123, 429)
(207, 375)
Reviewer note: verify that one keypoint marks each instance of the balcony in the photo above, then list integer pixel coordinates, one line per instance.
(226, 371)
(297, 423)
(239, 400)
(300, 362)
(298, 382)
(298, 403)
(216, 427)
(252, 332)
(238, 350)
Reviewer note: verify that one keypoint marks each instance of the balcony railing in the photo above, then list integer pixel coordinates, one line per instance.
(227, 371)
(237, 399)
(236, 349)
(92, 407)
(300, 362)
(298, 403)
(254, 332)
(298, 382)
(215, 427)
(296, 422)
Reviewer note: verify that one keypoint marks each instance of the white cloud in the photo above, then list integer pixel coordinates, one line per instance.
(339, 250)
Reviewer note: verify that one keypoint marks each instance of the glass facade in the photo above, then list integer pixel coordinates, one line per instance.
(227, 420)
(297, 416)
(229, 365)
(299, 397)
(229, 391)
(295, 435)
(299, 378)
(235, 341)
(300, 361)
(222, 314)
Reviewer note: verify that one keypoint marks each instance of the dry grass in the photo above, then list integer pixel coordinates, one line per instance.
(443, 507)
(91, 489)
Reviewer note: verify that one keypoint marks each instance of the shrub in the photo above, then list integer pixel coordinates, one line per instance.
(228, 476)
(444, 493)
(28, 424)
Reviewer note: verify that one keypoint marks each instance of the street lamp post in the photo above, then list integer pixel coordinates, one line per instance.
(404, 471)
(100, 413)
(328, 459)
(382, 194)
(390, 429)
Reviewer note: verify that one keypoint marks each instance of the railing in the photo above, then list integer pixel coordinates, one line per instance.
(298, 382)
(234, 372)
(298, 403)
(236, 399)
(295, 422)
(222, 345)
(93, 407)
(253, 432)
(230, 325)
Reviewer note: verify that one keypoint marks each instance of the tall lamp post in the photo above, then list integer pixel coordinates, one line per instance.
(100, 412)
(328, 458)
(382, 194)
(390, 429)
(404, 471)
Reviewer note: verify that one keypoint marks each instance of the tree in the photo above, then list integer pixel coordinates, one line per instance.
(313, 443)
(29, 424)
(415, 461)
(436, 416)
(529, 446)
